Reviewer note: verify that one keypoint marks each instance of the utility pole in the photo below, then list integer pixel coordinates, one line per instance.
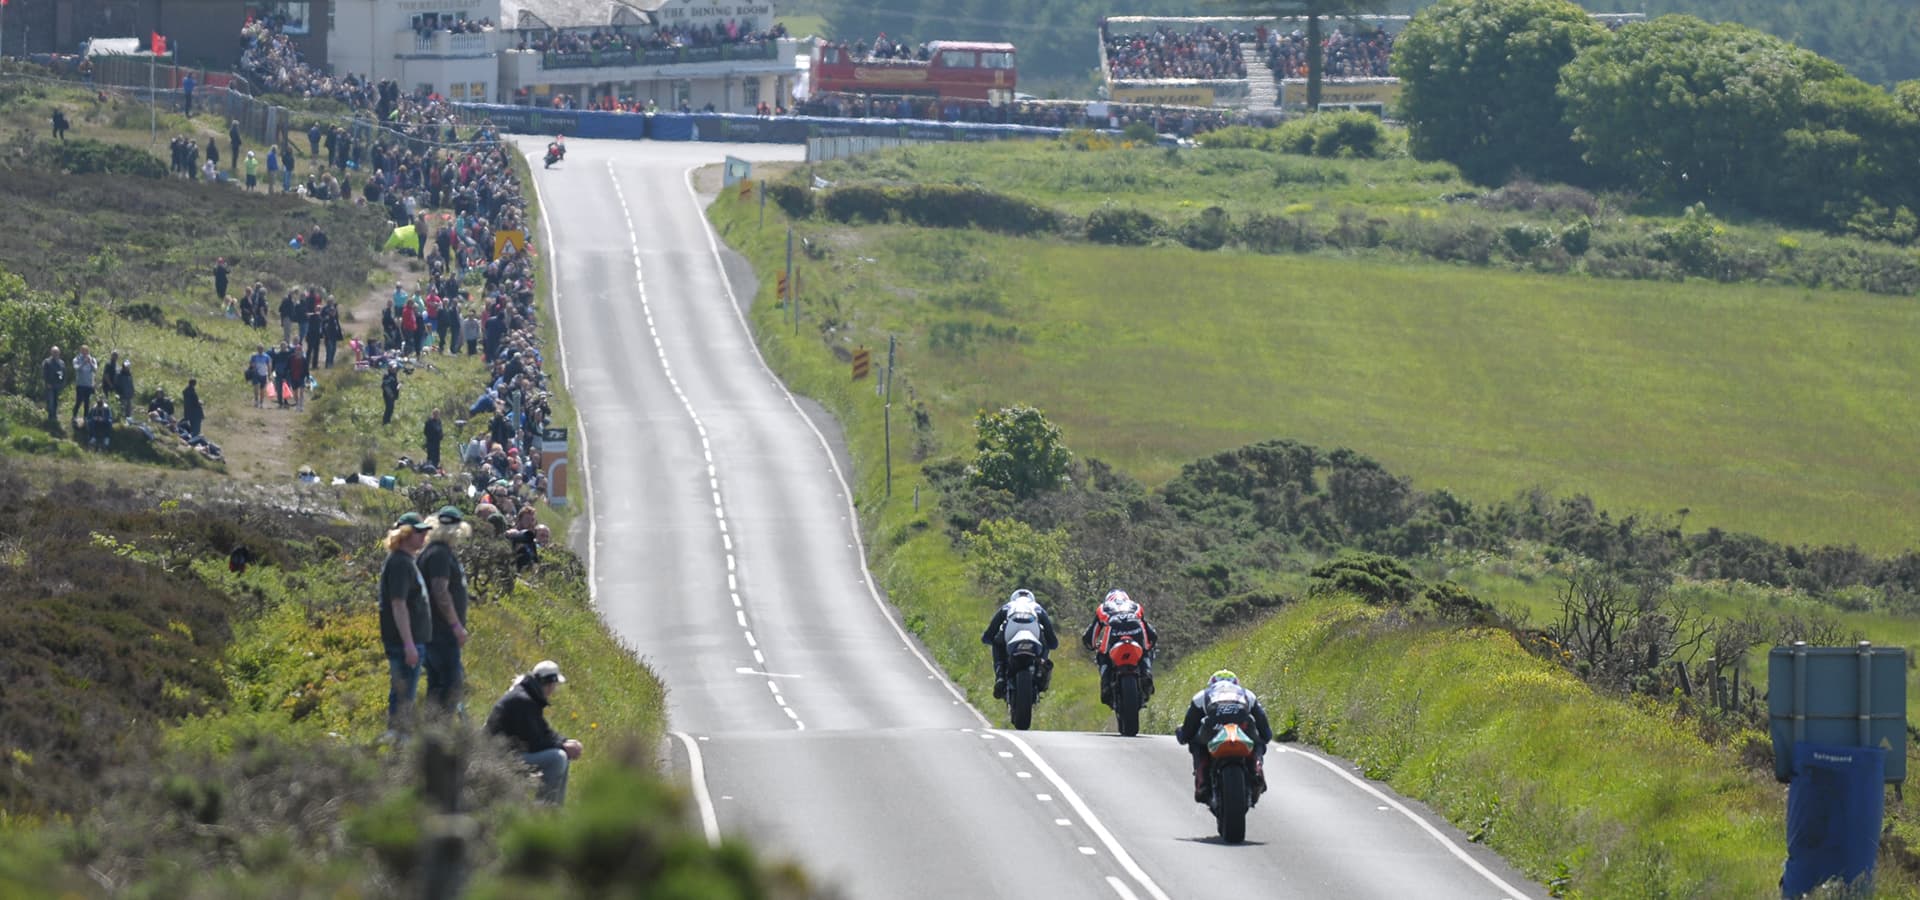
(793, 296)
(153, 102)
(886, 412)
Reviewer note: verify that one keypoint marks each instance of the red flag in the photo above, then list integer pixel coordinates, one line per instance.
(159, 44)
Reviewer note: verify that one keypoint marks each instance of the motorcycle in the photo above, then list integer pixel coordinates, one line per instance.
(1029, 672)
(555, 153)
(1234, 780)
(1128, 688)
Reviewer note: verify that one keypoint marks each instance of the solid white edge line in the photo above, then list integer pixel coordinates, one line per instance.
(1425, 825)
(853, 514)
(697, 773)
(1120, 887)
(1094, 824)
(566, 376)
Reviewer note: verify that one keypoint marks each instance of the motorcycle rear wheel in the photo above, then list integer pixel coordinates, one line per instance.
(1020, 697)
(1230, 803)
(1126, 705)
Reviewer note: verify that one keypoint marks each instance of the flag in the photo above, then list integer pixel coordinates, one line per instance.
(159, 44)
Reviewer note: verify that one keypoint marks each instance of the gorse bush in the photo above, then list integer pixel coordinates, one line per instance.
(86, 156)
(1123, 225)
(30, 324)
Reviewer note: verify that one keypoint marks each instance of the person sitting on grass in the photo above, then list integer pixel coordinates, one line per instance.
(520, 716)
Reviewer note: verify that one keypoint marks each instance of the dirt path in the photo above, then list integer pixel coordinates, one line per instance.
(264, 444)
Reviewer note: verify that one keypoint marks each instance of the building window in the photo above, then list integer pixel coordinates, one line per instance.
(292, 15)
(458, 91)
(750, 92)
(477, 92)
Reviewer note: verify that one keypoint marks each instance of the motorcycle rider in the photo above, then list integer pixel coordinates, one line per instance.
(1223, 701)
(1019, 613)
(1118, 616)
(556, 149)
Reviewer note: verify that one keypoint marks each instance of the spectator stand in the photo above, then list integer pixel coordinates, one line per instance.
(1187, 61)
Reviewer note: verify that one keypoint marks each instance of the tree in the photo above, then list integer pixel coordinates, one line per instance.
(1019, 452)
(1313, 11)
(1693, 111)
(1477, 85)
(30, 323)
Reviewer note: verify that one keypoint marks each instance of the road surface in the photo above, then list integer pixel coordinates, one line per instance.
(722, 548)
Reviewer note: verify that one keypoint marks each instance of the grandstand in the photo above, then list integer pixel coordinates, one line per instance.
(1255, 64)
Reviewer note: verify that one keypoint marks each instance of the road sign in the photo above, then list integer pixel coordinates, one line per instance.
(1840, 696)
(553, 451)
(862, 363)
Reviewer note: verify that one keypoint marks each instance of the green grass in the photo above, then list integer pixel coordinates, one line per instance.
(1515, 751)
(1763, 409)
(805, 24)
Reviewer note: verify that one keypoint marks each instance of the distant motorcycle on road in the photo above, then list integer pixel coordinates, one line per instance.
(1029, 671)
(556, 152)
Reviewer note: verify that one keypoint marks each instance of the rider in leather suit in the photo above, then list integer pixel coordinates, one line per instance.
(1022, 602)
(1120, 614)
(1222, 701)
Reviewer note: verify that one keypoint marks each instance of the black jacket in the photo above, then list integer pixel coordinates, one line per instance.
(520, 716)
(53, 372)
(1198, 727)
(991, 636)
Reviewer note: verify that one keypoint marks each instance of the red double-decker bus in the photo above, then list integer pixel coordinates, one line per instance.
(966, 70)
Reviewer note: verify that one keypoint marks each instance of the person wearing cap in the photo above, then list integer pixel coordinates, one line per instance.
(520, 716)
(405, 624)
(447, 588)
(434, 433)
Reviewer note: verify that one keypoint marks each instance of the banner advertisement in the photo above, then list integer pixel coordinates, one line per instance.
(1386, 91)
(1172, 95)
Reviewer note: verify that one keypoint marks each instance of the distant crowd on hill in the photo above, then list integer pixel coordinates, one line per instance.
(1364, 53)
(1204, 52)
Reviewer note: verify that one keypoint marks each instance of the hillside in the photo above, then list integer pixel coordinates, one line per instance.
(196, 695)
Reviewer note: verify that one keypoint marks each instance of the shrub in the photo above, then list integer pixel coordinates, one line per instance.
(953, 206)
(858, 203)
(86, 156)
(29, 325)
(1275, 234)
(142, 312)
(794, 198)
(1123, 226)
(1379, 580)
(1526, 195)
(1577, 236)
(1207, 231)
(1140, 132)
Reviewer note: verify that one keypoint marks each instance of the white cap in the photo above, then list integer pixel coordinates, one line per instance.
(548, 670)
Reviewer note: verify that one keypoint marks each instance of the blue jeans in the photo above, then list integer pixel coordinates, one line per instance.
(403, 683)
(446, 676)
(552, 766)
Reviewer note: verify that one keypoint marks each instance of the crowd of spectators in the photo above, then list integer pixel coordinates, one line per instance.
(619, 38)
(1181, 121)
(271, 62)
(426, 24)
(1364, 53)
(1204, 52)
(884, 49)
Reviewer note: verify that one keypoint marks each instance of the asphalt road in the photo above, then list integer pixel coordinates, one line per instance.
(722, 549)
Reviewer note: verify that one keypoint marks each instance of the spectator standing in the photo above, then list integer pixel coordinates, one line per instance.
(405, 624)
(330, 329)
(252, 166)
(289, 313)
(53, 371)
(186, 95)
(286, 167)
(220, 271)
(259, 368)
(233, 140)
(123, 385)
(470, 329)
(447, 589)
(273, 167)
(60, 124)
(313, 139)
(191, 413)
(213, 153)
(390, 390)
(297, 376)
(434, 433)
(282, 373)
(520, 716)
(85, 370)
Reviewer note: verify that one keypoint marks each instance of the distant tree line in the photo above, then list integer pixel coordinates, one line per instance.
(1676, 109)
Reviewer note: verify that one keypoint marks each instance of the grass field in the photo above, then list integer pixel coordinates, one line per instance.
(1783, 412)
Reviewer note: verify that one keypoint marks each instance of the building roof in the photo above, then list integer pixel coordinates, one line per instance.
(545, 14)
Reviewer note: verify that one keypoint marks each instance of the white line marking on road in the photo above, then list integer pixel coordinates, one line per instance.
(1043, 798)
(846, 490)
(1023, 774)
(749, 670)
(700, 427)
(1006, 754)
(1120, 887)
(1088, 851)
(1426, 826)
(697, 773)
(1099, 830)
(1064, 823)
(774, 686)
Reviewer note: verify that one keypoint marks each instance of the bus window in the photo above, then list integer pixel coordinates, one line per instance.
(958, 59)
(830, 54)
(996, 60)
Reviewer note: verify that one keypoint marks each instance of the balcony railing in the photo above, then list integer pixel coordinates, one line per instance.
(659, 56)
(447, 43)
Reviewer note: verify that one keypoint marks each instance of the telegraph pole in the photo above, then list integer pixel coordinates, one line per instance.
(886, 412)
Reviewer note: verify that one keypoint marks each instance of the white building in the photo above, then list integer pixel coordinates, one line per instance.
(406, 41)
